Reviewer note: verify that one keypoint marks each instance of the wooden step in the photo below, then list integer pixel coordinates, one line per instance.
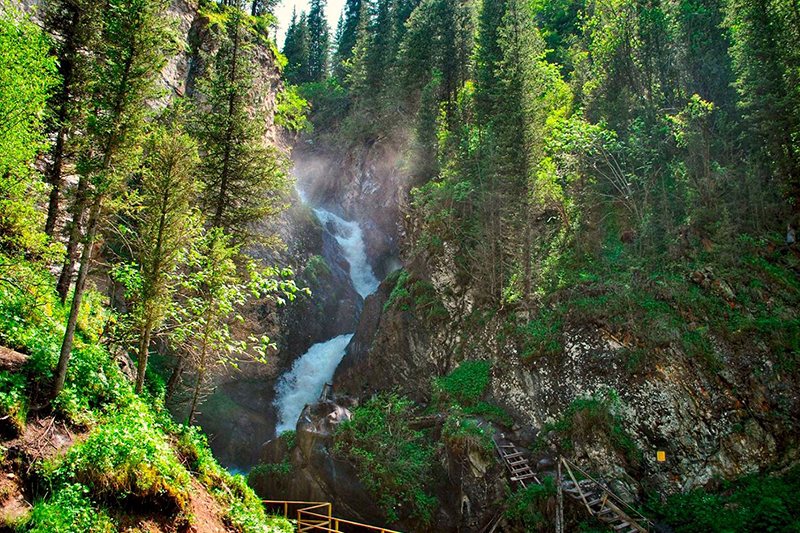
(593, 502)
(520, 469)
(605, 510)
(508, 446)
(523, 476)
(518, 462)
(512, 455)
(620, 526)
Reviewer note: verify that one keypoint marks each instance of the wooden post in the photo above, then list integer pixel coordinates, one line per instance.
(559, 501)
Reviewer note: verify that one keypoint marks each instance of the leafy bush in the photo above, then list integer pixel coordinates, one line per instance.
(282, 469)
(317, 266)
(419, 296)
(490, 412)
(753, 504)
(69, 511)
(465, 435)
(596, 416)
(394, 462)
(126, 457)
(467, 383)
(13, 401)
(528, 507)
(541, 337)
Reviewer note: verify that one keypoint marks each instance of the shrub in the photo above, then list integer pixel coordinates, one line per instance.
(755, 503)
(464, 435)
(528, 507)
(595, 416)
(419, 296)
(69, 510)
(126, 457)
(13, 401)
(467, 383)
(395, 463)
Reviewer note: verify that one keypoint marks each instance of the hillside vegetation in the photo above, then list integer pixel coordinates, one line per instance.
(151, 195)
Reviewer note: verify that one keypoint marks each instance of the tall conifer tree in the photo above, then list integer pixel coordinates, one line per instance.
(136, 39)
(318, 42)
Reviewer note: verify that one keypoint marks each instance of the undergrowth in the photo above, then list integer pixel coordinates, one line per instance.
(753, 504)
(394, 462)
(133, 456)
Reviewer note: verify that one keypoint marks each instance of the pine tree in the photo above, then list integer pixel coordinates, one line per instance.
(136, 39)
(346, 37)
(766, 54)
(163, 230)
(295, 48)
(243, 179)
(318, 42)
(74, 25)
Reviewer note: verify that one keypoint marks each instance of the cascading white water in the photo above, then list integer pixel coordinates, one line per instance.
(304, 382)
(350, 238)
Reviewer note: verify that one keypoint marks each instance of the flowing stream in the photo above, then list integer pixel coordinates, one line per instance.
(303, 384)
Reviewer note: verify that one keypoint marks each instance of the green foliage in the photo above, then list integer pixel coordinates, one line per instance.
(68, 511)
(394, 462)
(13, 400)
(541, 337)
(466, 383)
(281, 470)
(27, 75)
(292, 110)
(591, 418)
(316, 266)
(127, 457)
(490, 412)
(529, 507)
(420, 296)
(464, 436)
(243, 179)
(755, 503)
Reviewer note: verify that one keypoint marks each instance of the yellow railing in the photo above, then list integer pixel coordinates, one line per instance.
(318, 516)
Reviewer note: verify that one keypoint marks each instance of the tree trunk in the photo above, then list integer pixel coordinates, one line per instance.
(69, 334)
(175, 377)
(201, 370)
(66, 69)
(78, 211)
(144, 352)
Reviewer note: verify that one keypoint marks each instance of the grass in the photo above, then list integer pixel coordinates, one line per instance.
(69, 510)
(589, 418)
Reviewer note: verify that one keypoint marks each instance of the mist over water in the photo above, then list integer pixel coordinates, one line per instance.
(303, 384)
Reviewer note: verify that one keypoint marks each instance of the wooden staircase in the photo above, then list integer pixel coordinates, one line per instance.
(598, 500)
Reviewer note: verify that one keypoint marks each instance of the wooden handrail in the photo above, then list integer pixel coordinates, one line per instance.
(605, 490)
(308, 520)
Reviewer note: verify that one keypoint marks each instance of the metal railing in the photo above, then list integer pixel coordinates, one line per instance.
(318, 516)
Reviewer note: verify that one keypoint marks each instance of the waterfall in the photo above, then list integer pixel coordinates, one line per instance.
(303, 384)
(350, 239)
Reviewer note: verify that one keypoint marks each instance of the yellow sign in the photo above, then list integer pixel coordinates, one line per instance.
(661, 456)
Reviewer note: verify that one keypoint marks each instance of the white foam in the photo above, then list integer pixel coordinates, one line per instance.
(351, 240)
(303, 384)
